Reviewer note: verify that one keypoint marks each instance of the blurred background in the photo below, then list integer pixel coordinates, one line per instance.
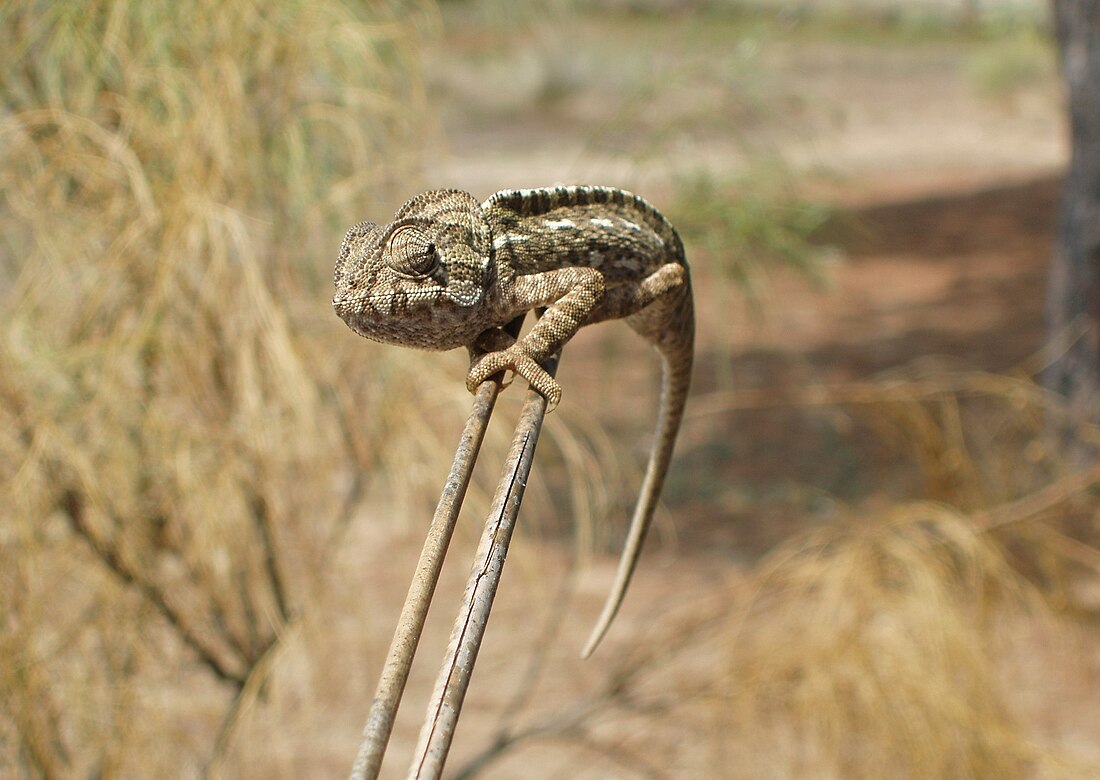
(878, 553)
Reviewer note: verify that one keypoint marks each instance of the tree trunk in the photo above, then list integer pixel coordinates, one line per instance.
(1074, 293)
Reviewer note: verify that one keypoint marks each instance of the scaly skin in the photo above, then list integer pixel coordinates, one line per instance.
(449, 272)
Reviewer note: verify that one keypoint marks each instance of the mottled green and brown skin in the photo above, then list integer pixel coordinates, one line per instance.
(451, 272)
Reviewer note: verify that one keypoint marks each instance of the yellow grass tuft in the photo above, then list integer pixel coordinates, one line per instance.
(869, 651)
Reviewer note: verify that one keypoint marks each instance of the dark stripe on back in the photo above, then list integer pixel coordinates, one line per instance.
(538, 202)
(535, 202)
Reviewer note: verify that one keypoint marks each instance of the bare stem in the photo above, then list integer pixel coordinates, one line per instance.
(395, 673)
(469, 629)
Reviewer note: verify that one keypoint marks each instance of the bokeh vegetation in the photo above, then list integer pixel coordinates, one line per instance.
(177, 446)
(753, 225)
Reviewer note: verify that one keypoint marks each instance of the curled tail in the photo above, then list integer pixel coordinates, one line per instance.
(677, 352)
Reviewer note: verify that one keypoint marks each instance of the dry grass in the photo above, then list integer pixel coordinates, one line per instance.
(878, 647)
(186, 430)
(183, 429)
(868, 652)
(906, 639)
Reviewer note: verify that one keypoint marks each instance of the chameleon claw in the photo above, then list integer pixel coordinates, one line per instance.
(539, 380)
(523, 365)
(473, 381)
(486, 366)
(553, 398)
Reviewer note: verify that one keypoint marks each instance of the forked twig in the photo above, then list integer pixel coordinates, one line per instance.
(469, 629)
(395, 672)
(410, 625)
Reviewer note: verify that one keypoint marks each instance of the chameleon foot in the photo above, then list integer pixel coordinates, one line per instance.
(516, 360)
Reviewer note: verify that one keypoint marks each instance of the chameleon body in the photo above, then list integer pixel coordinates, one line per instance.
(449, 271)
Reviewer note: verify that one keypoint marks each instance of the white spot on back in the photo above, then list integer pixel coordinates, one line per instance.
(559, 224)
(505, 239)
(607, 223)
(632, 225)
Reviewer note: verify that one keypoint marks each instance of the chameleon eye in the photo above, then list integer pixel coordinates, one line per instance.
(411, 253)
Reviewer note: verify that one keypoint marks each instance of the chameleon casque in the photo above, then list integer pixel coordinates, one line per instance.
(450, 272)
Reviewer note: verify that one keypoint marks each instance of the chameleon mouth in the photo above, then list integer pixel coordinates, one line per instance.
(344, 299)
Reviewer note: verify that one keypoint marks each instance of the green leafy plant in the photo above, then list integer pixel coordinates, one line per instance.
(752, 225)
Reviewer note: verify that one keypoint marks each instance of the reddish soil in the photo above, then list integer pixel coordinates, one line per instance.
(954, 278)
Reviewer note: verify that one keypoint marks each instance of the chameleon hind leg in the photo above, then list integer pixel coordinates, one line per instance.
(624, 300)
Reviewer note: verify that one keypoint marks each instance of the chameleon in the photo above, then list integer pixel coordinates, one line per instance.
(450, 272)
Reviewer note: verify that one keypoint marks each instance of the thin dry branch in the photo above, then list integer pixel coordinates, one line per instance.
(410, 625)
(469, 629)
(227, 669)
(258, 675)
(1038, 502)
(261, 513)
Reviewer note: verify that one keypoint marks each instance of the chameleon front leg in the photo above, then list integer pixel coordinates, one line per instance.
(570, 296)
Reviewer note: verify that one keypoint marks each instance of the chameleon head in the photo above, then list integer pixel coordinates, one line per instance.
(421, 280)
